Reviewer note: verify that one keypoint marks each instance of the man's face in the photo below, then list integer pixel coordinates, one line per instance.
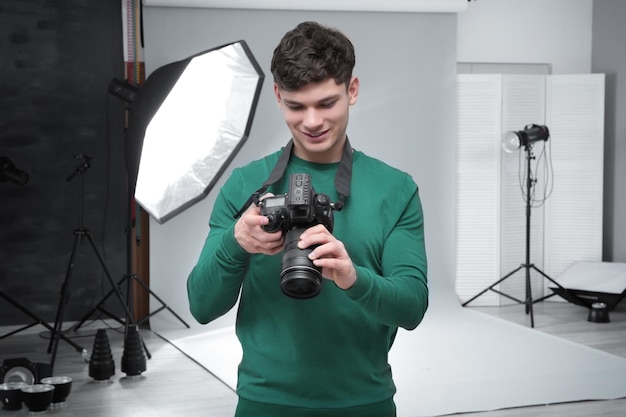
(317, 116)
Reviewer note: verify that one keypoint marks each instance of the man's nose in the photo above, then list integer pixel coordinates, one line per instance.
(313, 119)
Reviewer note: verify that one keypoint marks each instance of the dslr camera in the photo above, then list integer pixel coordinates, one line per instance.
(292, 213)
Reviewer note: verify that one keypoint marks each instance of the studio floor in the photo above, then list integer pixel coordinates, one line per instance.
(176, 385)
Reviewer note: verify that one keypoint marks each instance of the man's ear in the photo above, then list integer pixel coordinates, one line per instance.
(353, 90)
(279, 99)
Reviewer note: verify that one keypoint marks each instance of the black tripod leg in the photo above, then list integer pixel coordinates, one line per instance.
(37, 321)
(129, 314)
(99, 307)
(558, 285)
(58, 322)
(491, 286)
(163, 305)
(529, 296)
(23, 310)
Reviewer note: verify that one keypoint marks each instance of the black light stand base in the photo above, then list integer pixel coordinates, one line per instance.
(128, 279)
(79, 234)
(164, 306)
(37, 321)
(528, 301)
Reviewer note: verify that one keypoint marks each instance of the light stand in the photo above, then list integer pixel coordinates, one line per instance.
(526, 139)
(129, 278)
(8, 172)
(79, 234)
(129, 93)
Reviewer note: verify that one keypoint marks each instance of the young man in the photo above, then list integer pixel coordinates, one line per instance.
(325, 355)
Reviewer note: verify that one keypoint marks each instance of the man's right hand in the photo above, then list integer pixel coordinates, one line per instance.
(251, 236)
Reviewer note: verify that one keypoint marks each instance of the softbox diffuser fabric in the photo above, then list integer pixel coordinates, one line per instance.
(197, 116)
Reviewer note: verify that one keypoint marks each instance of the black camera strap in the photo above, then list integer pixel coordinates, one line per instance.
(343, 177)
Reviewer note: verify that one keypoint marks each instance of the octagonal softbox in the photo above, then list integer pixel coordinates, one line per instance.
(189, 120)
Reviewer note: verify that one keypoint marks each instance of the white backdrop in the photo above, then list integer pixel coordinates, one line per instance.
(405, 116)
(460, 360)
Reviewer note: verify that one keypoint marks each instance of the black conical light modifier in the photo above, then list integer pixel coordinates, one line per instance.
(133, 358)
(101, 364)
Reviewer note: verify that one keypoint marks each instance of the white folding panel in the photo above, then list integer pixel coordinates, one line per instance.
(479, 103)
(575, 115)
(566, 225)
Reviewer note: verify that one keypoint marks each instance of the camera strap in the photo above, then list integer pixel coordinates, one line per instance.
(342, 177)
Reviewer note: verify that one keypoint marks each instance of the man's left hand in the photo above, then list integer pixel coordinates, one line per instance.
(330, 255)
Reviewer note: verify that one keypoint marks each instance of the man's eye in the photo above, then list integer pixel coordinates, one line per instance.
(327, 105)
(295, 108)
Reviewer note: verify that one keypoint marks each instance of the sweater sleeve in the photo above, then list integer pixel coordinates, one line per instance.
(214, 283)
(398, 297)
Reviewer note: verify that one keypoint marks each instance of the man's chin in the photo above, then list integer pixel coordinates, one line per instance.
(323, 152)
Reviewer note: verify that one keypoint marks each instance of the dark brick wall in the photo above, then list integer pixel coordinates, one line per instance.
(56, 61)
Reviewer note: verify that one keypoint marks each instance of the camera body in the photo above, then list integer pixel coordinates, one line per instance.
(300, 207)
(293, 213)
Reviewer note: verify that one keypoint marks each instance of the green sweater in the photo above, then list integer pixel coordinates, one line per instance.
(329, 351)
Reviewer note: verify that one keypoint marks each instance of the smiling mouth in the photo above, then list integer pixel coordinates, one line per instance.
(316, 135)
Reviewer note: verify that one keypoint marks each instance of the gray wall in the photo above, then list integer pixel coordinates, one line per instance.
(405, 115)
(609, 57)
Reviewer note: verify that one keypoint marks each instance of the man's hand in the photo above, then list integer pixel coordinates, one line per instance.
(252, 238)
(330, 255)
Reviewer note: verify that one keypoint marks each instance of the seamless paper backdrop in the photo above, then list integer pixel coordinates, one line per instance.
(457, 360)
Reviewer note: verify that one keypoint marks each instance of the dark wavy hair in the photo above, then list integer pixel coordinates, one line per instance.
(312, 53)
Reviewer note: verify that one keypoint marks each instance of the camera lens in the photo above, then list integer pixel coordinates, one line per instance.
(299, 278)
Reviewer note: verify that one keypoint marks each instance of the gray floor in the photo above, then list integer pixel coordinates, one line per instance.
(569, 322)
(174, 385)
